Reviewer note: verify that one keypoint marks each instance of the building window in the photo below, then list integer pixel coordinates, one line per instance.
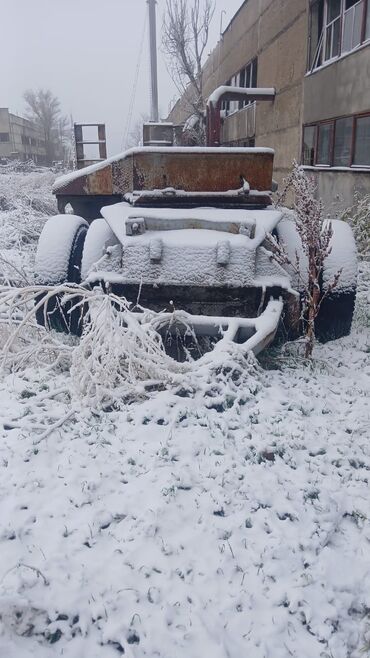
(332, 29)
(248, 78)
(225, 105)
(352, 25)
(4, 137)
(336, 27)
(343, 142)
(309, 144)
(324, 143)
(362, 142)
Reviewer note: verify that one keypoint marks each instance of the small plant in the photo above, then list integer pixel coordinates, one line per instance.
(315, 234)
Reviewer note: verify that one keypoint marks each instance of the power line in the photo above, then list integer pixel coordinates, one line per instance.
(134, 87)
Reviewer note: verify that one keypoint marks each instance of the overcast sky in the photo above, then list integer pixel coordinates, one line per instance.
(86, 52)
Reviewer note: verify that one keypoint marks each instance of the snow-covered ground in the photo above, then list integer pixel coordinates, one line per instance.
(227, 516)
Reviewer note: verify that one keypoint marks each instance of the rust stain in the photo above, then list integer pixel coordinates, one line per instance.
(202, 172)
(100, 182)
(189, 171)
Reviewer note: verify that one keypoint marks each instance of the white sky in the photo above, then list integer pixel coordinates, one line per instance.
(86, 52)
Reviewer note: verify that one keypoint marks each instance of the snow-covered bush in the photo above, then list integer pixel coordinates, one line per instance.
(358, 216)
(116, 352)
(118, 355)
(25, 203)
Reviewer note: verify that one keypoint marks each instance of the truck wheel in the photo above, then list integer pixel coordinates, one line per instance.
(287, 235)
(58, 260)
(336, 312)
(99, 237)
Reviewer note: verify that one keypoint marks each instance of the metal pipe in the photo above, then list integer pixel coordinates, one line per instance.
(221, 21)
(230, 93)
(153, 60)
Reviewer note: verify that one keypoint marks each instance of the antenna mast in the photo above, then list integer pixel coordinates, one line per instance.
(153, 60)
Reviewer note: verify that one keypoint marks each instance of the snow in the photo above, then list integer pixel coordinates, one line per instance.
(98, 238)
(62, 181)
(343, 257)
(264, 220)
(353, 169)
(137, 195)
(224, 515)
(187, 254)
(253, 92)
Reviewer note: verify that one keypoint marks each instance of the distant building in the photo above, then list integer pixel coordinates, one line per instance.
(316, 53)
(20, 139)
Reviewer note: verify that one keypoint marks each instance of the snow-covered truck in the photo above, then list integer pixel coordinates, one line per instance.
(184, 229)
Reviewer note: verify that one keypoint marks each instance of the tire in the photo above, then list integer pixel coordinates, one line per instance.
(58, 261)
(99, 237)
(286, 233)
(336, 311)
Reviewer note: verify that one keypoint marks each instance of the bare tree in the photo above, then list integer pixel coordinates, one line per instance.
(185, 37)
(135, 135)
(315, 235)
(44, 109)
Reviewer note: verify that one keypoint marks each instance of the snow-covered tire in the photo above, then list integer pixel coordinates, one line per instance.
(99, 237)
(336, 311)
(287, 235)
(58, 260)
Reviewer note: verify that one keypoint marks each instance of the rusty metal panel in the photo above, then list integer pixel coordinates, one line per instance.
(191, 171)
(122, 175)
(100, 182)
(96, 183)
(201, 171)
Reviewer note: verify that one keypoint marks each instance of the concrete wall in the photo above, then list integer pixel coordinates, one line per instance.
(338, 89)
(282, 63)
(337, 188)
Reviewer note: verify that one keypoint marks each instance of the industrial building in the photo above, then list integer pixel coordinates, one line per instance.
(20, 139)
(316, 53)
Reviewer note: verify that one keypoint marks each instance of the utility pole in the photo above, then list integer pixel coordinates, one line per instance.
(153, 60)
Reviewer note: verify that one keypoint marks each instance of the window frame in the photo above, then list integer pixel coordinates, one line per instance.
(356, 117)
(329, 26)
(315, 127)
(333, 121)
(319, 56)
